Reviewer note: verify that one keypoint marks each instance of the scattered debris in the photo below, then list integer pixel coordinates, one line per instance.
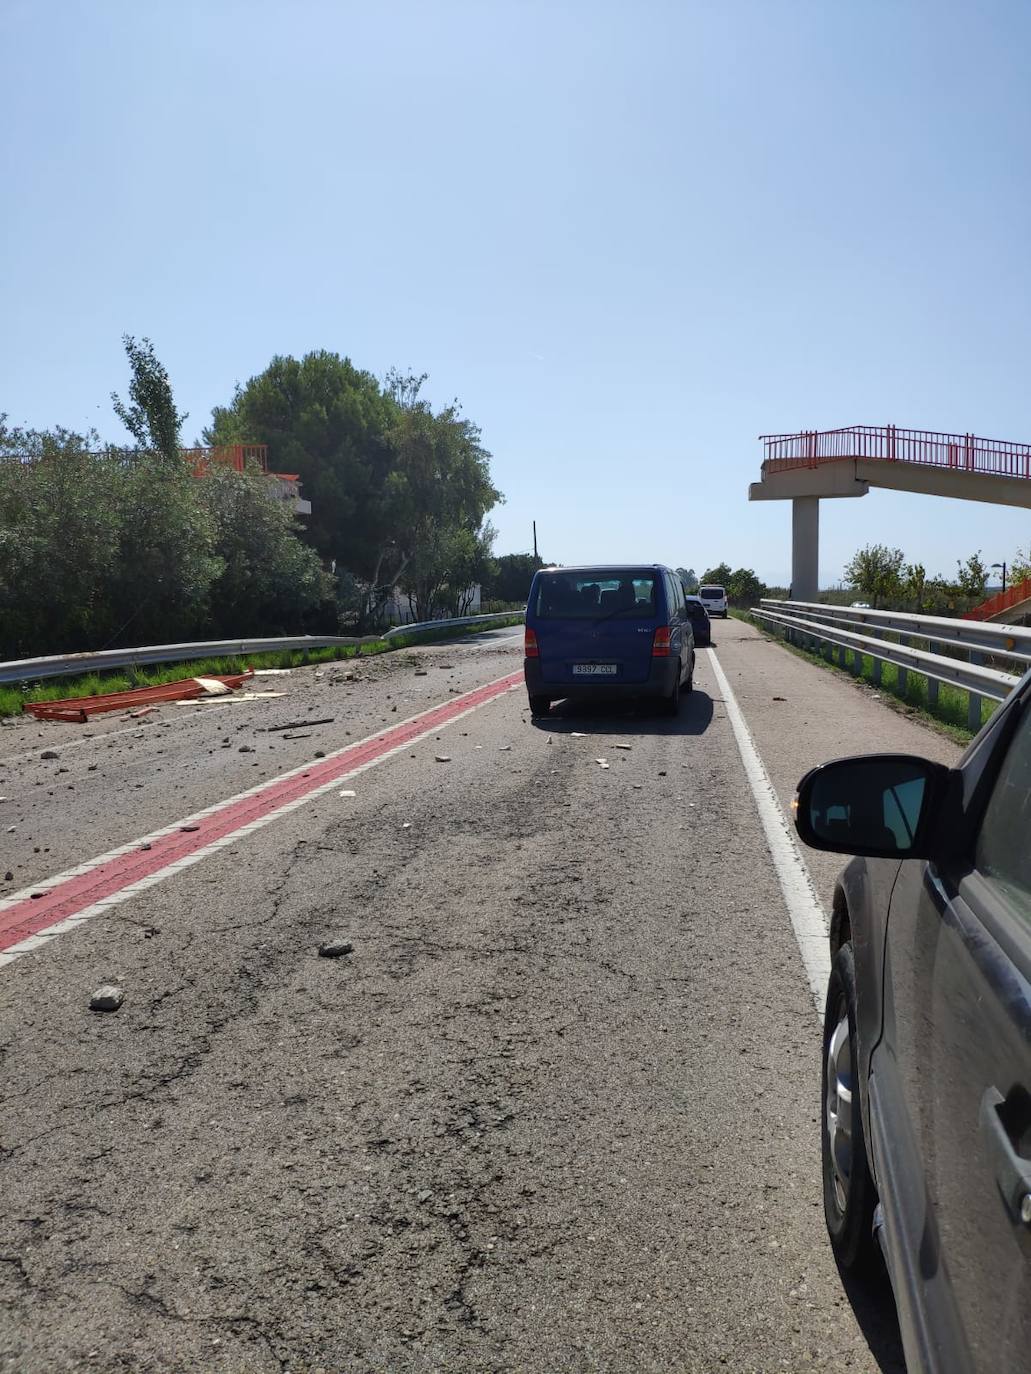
(505, 748)
(214, 686)
(307, 736)
(146, 846)
(320, 753)
(81, 708)
(50, 754)
(8, 877)
(335, 949)
(577, 734)
(662, 772)
(107, 998)
(780, 698)
(623, 746)
(188, 829)
(442, 758)
(601, 760)
(246, 749)
(298, 724)
(272, 672)
(638, 787)
(421, 672)
(407, 825)
(347, 793)
(143, 711)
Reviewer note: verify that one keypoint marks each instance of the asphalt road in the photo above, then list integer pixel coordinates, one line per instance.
(558, 1109)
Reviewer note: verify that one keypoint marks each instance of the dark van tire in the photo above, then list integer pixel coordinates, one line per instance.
(671, 703)
(849, 1194)
(540, 706)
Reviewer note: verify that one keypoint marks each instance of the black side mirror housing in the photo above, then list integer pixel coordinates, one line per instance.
(882, 806)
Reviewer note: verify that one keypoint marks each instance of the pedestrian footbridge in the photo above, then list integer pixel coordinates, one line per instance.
(814, 465)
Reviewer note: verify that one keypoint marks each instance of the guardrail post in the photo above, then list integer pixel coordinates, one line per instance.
(876, 672)
(932, 682)
(973, 700)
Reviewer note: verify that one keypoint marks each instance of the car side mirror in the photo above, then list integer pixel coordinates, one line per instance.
(879, 805)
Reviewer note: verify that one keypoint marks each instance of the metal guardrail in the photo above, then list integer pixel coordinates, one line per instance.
(63, 665)
(1004, 641)
(810, 624)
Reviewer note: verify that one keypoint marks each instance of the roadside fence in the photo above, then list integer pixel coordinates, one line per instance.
(63, 665)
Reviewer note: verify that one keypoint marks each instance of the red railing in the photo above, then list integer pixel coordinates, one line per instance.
(888, 444)
(1002, 601)
(236, 456)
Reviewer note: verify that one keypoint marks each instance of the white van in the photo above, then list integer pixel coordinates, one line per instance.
(714, 599)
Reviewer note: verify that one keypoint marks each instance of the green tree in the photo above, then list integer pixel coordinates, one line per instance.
(151, 416)
(914, 585)
(1019, 569)
(875, 571)
(744, 588)
(718, 576)
(97, 549)
(689, 578)
(438, 492)
(329, 422)
(58, 543)
(511, 577)
(972, 576)
(269, 581)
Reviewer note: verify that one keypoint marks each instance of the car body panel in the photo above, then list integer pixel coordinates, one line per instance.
(943, 975)
(699, 618)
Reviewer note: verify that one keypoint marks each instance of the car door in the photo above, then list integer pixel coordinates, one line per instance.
(679, 621)
(958, 1028)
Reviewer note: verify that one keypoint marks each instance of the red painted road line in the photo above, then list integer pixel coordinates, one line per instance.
(32, 915)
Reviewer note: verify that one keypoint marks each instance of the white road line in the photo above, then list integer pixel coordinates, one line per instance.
(807, 916)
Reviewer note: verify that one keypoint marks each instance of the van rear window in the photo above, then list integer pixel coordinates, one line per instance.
(711, 592)
(596, 595)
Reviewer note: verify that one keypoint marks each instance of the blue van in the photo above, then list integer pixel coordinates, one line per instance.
(606, 633)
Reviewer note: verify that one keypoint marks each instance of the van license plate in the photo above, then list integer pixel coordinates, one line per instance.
(594, 669)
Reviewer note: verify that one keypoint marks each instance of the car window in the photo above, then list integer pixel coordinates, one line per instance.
(902, 804)
(596, 594)
(714, 593)
(675, 592)
(1003, 853)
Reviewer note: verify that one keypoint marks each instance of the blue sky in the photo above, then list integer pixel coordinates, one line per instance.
(629, 237)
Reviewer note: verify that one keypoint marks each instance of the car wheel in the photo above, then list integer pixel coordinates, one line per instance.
(671, 704)
(688, 686)
(540, 706)
(849, 1195)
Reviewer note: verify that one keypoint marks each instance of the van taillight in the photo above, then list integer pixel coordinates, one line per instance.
(660, 644)
(530, 646)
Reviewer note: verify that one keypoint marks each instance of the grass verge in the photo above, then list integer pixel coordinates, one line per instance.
(947, 715)
(14, 696)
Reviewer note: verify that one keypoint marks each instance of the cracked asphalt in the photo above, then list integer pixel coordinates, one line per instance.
(558, 1110)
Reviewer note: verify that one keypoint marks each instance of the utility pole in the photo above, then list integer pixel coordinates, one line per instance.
(535, 553)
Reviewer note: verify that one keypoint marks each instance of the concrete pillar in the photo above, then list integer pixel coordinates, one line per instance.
(805, 548)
